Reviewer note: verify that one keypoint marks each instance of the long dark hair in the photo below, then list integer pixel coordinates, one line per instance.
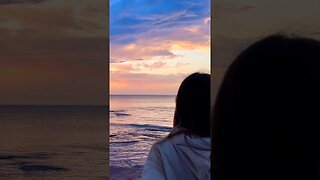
(266, 115)
(192, 113)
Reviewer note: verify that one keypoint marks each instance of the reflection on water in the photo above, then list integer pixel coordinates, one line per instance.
(136, 122)
(53, 142)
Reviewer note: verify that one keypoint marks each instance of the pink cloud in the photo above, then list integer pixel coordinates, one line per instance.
(159, 43)
(140, 83)
(152, 66)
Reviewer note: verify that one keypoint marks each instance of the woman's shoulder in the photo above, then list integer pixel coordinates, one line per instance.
(186, 149)
(182, 139)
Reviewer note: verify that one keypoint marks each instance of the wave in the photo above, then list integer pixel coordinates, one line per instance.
(35, 168)
(28, 166)
(147, 127)
(26, 156)
(152, 127)
(122, 114)
(124, 142)
(119, 113)
(115, 111)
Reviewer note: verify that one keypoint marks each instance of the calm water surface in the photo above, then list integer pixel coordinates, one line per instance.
(53, 142)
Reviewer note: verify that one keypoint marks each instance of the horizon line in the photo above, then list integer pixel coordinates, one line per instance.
(142, 94)
(54, 105)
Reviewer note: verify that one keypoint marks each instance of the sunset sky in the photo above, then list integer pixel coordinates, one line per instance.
(53, 52)
(155, 44)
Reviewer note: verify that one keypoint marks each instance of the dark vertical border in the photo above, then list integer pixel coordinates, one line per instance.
(108, 85)
(212, 80)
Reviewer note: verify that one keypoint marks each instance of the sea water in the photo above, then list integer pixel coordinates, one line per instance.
(53, 142)
(136, 122)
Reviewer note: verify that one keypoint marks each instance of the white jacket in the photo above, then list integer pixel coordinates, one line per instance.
(179, 157)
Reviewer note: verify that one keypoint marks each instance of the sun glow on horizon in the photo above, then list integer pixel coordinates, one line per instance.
(153, 51)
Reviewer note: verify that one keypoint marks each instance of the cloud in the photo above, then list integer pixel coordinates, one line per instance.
(151, 39)
(160, 43)
(52, 83)
(124, 67)
(80, 50)
(141, 51)
(228, 7)
(152, 66)
(142, 16)
(223, 9)
(113, 61)
(137, 23)
(57, 18)
(53, 52)
(63, 32)
(154, 27)
(181, 64)
(137, 66)
(141, 83)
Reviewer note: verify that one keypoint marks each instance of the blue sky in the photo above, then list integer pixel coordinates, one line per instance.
(156, 39)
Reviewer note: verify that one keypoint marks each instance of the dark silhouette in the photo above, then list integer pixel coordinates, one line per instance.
(193, 105)
(267, 111)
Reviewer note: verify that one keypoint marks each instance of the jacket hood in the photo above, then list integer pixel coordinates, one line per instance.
(195, 152)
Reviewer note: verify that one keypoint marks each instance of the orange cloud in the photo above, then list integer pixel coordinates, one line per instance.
(160, 43)
(57, 18)
(185, 45)
(53, 52)
(148, 53)
(152, 66)
(140, 83)
(118, 85)
(123, 67)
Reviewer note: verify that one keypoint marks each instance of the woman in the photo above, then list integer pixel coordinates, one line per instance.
(185, 152)
(266, 116)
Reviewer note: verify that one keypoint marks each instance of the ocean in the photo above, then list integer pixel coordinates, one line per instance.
(136, 122)
(53, 142)
(71, 142)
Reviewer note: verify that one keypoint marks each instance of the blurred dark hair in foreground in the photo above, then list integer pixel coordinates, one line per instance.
(267, 111)
(193, 105)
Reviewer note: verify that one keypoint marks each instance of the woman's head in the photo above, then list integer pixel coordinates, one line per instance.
(266, 111)
(193, 105)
